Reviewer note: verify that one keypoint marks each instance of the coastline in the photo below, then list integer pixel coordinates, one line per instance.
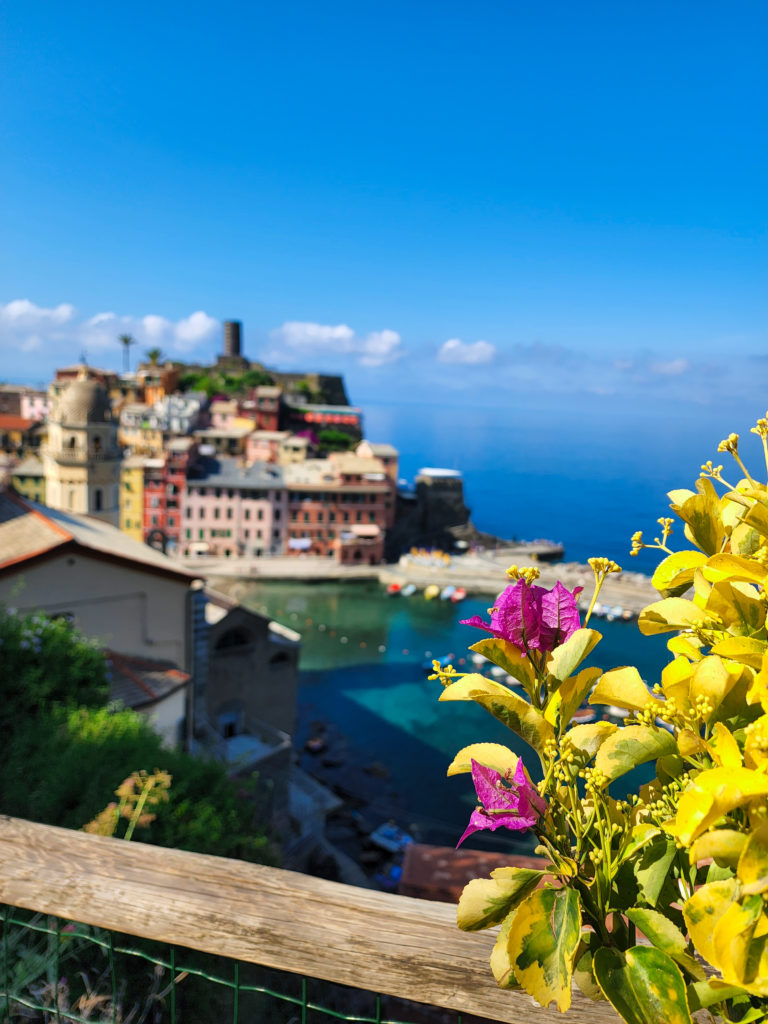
(479, 573)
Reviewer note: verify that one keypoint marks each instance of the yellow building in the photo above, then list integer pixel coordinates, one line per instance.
(28, 478)
(132, 497)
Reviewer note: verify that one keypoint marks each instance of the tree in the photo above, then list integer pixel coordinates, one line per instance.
(126, 340)
(154, 355)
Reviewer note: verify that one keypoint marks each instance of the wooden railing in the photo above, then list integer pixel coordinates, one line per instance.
(392, 945)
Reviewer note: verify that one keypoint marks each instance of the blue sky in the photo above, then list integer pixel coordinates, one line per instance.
(475, 203)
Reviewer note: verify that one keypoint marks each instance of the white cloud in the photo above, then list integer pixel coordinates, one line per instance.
(312, 340)
(456, 351)
(673, 368)
(57, 336)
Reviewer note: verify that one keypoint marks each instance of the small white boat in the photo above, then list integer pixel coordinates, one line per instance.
(408, 589)
(497, 671)
(478, 659)
(447, 592)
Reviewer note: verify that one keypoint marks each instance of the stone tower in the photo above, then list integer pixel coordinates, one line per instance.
(82, 458)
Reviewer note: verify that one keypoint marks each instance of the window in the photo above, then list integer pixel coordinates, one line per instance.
(97, 500)
(188, 512)
(216, 513)
(331, 517)
(247, 514)
(201, 513)
(260, 513)
(201, 534)
(171, 521)
(277, 514)
(188, 534)
(372, 516)
(306, 517)
(346, 517)
(358, 517)
(229, 513)
(320, 516)
(154, 520)
(247, 534)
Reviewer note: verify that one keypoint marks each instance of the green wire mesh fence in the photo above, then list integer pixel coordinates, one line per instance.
(52, 970)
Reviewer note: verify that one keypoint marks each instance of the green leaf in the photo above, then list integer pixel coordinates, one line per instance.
(631, 746)
(569, 696)
(644, 985)
(675, 574)
(702, 994)
(566, 658)
(506, 656)
(651, 867)
(659, 930)
(622, 687)
(670, 615)
(487, 901)
(519, 716)
(543, 944)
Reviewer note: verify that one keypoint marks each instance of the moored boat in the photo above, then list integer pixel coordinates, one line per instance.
(458, 595)
(447, 592)
(432, 591)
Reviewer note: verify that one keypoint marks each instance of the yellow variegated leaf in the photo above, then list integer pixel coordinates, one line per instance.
(723, 747)
(701, 588)
(758, 689)
(644, 985)
(745, 649)
(713, 794)
(687, 646)
(702, 912)
(518, 715)
(671, 614)
(756, 744)
(701, 515)
(543, 944)
(501, 964)
(569, 696)
(676, 681)
(753, 864)
(588, 738)
(738, 605)
(724, 844)
(734, 567)
(711, 681)
(492, 755)
(675, 574)
(745, 540)
(485, 902)
(690, 743)
(623, 687)
(631, 746)
(566, 658)
(466, 686)
(732, 938)
(506, 656)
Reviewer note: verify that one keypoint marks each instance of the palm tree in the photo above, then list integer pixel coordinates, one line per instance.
(154, 355)
(126, 340)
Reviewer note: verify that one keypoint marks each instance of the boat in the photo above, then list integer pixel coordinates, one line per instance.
(447, 592)
(478, 659)
(393, 589)
(390, 838)
(458, 595)
(583, 715)
(431, 591)
(408, 589)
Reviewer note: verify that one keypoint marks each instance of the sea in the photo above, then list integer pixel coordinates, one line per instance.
(364, 687)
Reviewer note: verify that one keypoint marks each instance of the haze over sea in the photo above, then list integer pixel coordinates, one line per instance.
(588, 479)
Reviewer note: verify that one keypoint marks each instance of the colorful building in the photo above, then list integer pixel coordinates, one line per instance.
(229, 509)
(132, 497)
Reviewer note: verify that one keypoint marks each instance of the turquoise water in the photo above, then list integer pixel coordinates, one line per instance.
(362, 677)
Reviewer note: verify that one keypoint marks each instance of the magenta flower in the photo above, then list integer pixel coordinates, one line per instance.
(532, 618)
(512, 803)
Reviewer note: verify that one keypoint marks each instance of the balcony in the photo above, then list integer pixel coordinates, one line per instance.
(78, 454)
(394, 946)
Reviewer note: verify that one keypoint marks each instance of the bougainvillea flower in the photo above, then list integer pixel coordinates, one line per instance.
(504, 802)
(532, 618)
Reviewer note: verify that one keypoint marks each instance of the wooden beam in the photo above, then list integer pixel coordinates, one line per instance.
(388, 944)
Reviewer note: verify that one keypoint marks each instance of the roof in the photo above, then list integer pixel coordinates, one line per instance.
(10, 422)
(381, 450)
(268, 391)
(348, 463)
(137, 682)
(31, 466)
(441, 872)
(83, 402)
(29, 531)
(236, 432)
(228, 472)
(270, 435)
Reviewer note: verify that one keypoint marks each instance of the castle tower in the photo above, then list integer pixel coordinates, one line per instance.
(82, 458)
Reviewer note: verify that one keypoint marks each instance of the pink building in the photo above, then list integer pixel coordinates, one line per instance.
(231, 510)
(264, 445)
